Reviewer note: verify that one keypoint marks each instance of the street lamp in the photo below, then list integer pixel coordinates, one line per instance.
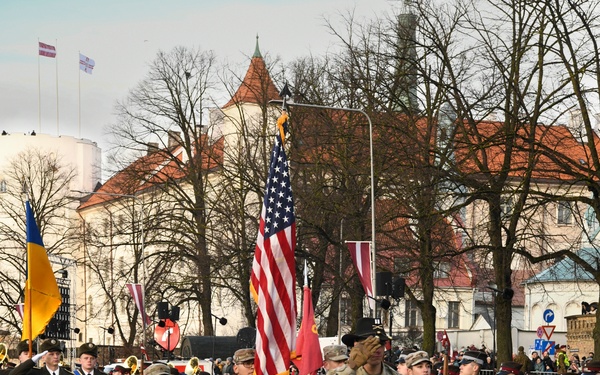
(373, 253)
(142, 216)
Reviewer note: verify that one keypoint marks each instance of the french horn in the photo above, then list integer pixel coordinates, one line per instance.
(3, 354)
(192, 366)
(132, 363)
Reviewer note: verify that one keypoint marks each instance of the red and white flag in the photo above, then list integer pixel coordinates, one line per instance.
(47, 50)
(86, 64)
(19, 307)
(137, 292)
(360, 251)
(273, 278)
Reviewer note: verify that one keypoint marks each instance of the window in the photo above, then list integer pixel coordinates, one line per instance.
(442, 270)
(401, 266)
(453, 316)
(506, 205)
(412, 316)
(3, 186)
(564, 214)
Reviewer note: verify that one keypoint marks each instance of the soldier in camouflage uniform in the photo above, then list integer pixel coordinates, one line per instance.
(334, 360)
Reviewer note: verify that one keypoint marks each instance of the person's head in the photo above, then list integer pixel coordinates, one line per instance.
(418, 363)
(545, 353)
(534, 355)
(23, 350)
(120, 370)
(52, 358)
(591, 368)
(471, 362)
(243, 360)
(538, 360)
(365, 328)
(401, 361)
(157, 369)
(87, 353)
(334, 356)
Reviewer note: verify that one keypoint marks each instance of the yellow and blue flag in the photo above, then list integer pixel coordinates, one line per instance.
(42, 297)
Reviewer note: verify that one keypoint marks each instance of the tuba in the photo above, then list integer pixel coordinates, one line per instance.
(3, 354)
(132, 363)
(192, 366)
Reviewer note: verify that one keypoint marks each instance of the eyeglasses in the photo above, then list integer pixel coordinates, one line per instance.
(248, 364)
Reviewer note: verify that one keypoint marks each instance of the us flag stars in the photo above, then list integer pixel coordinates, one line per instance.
(280, 206)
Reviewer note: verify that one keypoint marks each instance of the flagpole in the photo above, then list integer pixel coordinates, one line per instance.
(56, 61)
(373, 248)
(39, 92)
(79, 101)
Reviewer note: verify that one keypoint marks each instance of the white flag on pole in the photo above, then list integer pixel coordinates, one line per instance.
(86, 64)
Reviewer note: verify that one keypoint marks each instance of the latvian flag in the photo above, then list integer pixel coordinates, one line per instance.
(47, 50)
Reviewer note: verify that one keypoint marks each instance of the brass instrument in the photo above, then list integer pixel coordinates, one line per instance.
(3, 354)
(192, 366)
(132, 363)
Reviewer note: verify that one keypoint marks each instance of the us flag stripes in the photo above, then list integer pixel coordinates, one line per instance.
(274, 270)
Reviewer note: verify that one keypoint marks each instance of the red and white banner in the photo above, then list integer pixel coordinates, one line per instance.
(47, 50)
(360, 251)
(19, 307)
(137, 292)
(86, 64)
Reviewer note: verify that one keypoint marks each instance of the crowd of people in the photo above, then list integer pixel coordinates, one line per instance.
(363, 353)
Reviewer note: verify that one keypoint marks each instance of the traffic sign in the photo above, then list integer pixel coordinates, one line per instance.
(539, 345)
(540, 333)
(548, 316)
(548, 346)
(548, 331)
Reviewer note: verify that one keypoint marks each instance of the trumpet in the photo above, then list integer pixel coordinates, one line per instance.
(3, 354)
(192, 366)
(132, 363)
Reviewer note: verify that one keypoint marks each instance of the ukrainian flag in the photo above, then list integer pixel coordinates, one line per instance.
(42, 297)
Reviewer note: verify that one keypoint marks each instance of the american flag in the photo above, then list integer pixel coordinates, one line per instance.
(47, 50)
(274, 269)
(360, 251)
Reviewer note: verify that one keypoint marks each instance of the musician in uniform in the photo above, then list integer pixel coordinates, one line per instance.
(26, 363)
(88, 359)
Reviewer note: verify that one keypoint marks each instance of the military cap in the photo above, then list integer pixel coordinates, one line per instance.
(335, 353)
(88, 348)
(509, 368)
(474, 356)
(243, 355)
(23, 346)
(51, 345)
(591, 367)
(417, 357)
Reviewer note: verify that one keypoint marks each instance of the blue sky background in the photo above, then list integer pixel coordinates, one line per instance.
(124, 36)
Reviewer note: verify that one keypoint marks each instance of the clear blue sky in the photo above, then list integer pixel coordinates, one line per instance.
(123, 37)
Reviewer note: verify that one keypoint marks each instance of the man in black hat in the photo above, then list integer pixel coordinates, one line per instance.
(26, 363)
(472, 362)
(51, 359)
(368, 346)
(88, 359)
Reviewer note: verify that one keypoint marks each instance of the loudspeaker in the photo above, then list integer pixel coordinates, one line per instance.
(383, 282)
(174, 313)
(399, 285)
(162, 308)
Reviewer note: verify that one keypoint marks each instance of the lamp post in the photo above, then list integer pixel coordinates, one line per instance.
(373, 253)
(142, 217)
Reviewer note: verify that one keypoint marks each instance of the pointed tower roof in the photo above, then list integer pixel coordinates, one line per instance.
(257, 86)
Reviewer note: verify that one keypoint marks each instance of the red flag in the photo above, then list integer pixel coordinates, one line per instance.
(47, 50)
(360, 251)
(274, 269)
(308, 349)
(137, 292)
